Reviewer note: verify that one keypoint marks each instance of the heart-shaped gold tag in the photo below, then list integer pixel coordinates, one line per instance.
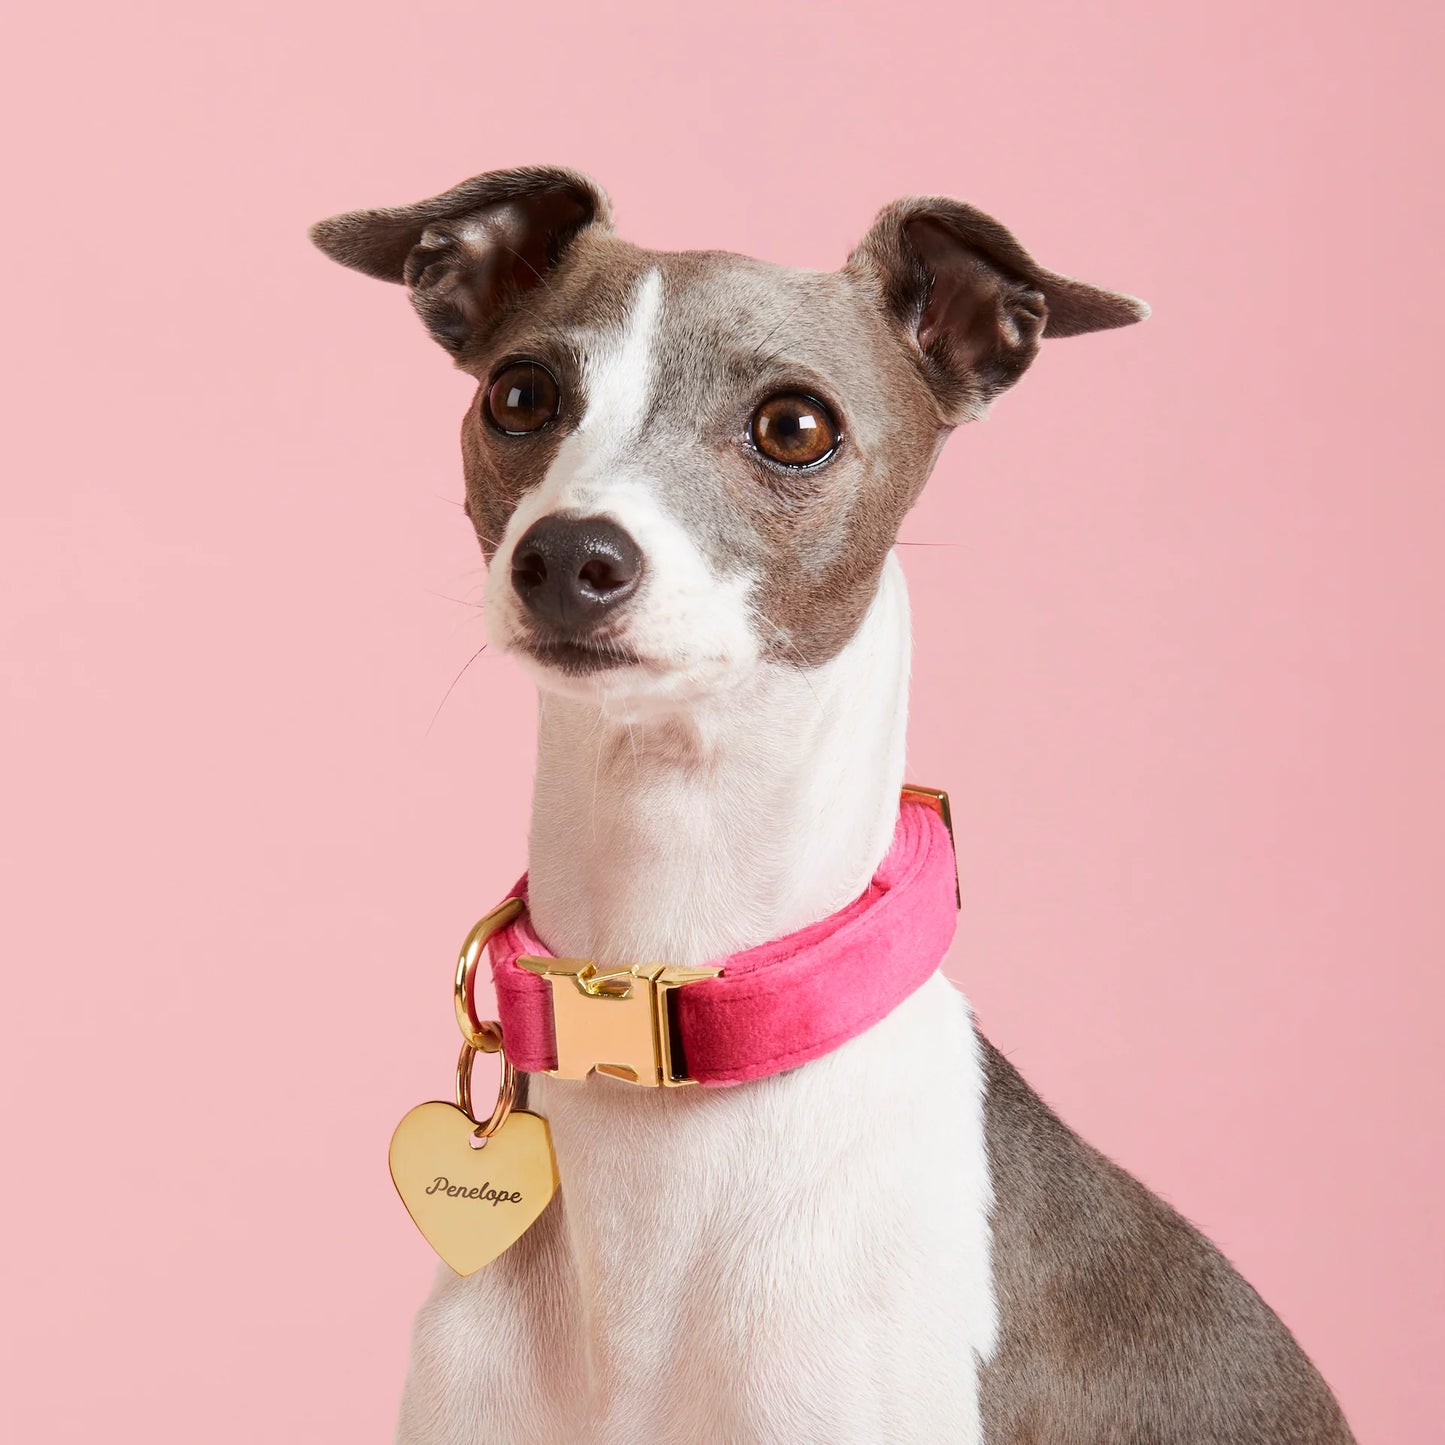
(471, 1204)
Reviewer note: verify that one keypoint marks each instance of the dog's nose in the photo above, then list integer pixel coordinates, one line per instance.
(569, 571)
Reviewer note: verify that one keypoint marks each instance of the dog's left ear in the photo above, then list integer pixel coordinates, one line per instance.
(972, 304)
(468, 255)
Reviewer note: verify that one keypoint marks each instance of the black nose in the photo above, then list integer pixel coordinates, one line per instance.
(569, 571)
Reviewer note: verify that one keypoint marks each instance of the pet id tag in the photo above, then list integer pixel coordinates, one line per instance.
(474, 1189)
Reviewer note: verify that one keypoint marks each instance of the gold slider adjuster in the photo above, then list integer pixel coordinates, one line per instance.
(616, 1021)
(937, 800)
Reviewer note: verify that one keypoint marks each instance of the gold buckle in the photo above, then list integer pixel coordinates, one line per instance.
(615, 1021)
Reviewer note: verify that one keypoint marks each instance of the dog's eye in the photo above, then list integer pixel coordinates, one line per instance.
(794, 429)
(523, 397)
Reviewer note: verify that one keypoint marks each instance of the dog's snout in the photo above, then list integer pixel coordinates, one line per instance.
(570, 571)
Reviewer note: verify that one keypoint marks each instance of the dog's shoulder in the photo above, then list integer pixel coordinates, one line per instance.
(1118, 1319)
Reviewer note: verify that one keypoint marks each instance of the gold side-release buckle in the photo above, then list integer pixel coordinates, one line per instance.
(615, 1020)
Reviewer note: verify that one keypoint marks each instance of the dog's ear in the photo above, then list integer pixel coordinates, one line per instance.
(971, 302)
(468, 254)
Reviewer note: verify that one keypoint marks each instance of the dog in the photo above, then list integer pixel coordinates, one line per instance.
(687, 472)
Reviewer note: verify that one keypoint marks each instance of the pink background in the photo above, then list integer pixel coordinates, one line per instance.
(1178, 637)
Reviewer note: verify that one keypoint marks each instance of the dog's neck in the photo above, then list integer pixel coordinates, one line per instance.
(683, 839)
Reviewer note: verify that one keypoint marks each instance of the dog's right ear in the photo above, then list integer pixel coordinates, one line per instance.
(971, 303)
(469, 253)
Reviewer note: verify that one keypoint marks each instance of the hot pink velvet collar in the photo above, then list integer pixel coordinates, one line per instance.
(790, 1001)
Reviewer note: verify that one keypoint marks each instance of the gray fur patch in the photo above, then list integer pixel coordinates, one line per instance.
(1119, 1322)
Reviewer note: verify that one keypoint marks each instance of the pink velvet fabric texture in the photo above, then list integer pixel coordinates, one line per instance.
(789, 1001)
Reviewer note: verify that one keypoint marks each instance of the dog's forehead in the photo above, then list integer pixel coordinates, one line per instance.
(715, 296)
(716, 321)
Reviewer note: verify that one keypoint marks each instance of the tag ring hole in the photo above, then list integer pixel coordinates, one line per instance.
(506, 1091)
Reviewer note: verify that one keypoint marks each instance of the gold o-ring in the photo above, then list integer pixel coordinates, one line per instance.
(506, 1090)
(485, 1038)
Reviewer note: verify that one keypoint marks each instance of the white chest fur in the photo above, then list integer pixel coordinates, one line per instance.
(805, 1258)
(801, 1259)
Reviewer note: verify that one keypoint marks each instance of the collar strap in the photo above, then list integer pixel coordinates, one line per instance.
(753, 1013)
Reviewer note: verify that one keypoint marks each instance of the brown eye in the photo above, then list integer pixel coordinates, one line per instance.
(523, 397)
(794, 429)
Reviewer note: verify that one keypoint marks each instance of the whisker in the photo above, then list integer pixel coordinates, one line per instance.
(758, 349)
(528, 265)
(451, 687)
(596, 782)
(460, 601)
(803, 668)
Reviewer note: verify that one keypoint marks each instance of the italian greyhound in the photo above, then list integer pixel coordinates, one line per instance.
(687, 473)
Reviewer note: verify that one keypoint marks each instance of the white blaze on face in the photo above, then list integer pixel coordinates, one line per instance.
(694, 627)
(619, 370)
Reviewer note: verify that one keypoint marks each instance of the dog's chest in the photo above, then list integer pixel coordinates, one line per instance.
(806, 1258)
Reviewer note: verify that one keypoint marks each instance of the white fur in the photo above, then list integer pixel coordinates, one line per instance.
(620, 366)
(695, 628)
(805, 1258)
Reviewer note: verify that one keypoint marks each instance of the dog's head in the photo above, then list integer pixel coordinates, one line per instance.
(684, 466)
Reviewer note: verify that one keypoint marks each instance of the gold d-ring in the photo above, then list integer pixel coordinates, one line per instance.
(485, 1038)
(506, 1090)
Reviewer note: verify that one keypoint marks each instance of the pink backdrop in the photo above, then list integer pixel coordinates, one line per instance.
(1178, 636)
